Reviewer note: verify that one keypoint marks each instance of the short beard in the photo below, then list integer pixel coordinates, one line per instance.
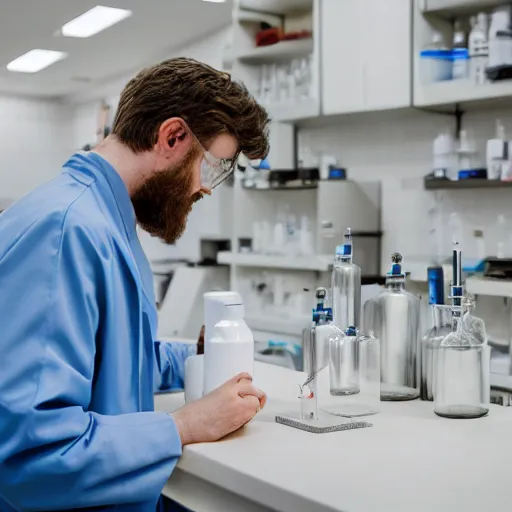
(163, 203)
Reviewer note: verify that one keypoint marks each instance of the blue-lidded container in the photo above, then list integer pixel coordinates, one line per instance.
(435, 66)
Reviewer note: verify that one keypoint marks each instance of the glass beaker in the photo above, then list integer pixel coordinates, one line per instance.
(343, 364)
(441, 317)
(462, 387)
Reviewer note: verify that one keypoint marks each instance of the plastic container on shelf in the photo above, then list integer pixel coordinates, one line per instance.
(435, 61)
(444, 155)
(435, 66)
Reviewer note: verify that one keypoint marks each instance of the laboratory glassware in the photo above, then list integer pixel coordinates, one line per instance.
(393, 316)
(344, 363)
(369, 368)
(353, 387)
(315, 348)
(462, 386)
(346, 287)
(441, 321)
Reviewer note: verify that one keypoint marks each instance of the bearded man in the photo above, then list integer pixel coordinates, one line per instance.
(79, 359)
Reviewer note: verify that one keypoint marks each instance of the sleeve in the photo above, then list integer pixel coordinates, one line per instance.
(54, 453)
(171, 363)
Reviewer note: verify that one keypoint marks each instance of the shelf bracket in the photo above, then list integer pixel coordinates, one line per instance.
(459, 113)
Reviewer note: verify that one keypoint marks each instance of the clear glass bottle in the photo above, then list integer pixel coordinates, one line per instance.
(369, 369)
(344, 363)
(441, 317)
(394, 318)
(346, 287)
(462, 386)
(315, 342)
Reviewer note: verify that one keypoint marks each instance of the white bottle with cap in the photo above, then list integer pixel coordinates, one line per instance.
(497, 153)
(444, 156)
(229, 343)
(479, 48)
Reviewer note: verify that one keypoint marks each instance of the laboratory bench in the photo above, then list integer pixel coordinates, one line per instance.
(409, 460)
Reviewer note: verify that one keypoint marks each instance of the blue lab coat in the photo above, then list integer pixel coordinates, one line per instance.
(78, 357)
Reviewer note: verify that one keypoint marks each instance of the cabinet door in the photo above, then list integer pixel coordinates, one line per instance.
(341, 26)
(387, 41)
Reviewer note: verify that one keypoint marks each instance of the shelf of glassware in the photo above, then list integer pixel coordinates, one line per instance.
(450, 8)
(318, 263)
(478, 285)
(464, 92)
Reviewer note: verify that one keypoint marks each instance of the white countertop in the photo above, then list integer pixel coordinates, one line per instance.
(410, 460)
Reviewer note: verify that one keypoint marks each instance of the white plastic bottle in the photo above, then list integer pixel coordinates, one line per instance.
(444, 156)
(500, 37)
(230, 350)
(497, 153)
(479, 49)
(460, 54)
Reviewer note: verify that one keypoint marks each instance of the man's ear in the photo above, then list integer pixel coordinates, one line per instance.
(171, 134)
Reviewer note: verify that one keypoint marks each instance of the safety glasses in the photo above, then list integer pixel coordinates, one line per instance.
(214, 171)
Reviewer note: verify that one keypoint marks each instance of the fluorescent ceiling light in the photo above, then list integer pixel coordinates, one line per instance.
(35, 60)
(215, 1)
(93, 21)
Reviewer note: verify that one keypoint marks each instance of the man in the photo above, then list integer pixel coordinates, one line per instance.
(78, 357)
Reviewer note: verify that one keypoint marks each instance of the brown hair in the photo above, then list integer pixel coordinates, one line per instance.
(206, 99)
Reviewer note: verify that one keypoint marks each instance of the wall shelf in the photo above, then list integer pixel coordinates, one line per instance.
(289, 326)
(451, 8)
(249, 16)
(283, 51)
(284, 113)
(440, 184)
(449, 93)
(478, 285)
(306, 263)
(277, 6)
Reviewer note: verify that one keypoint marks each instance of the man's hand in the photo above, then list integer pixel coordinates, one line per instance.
(223, 411)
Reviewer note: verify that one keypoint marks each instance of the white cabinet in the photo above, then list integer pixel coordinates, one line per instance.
(366, 55)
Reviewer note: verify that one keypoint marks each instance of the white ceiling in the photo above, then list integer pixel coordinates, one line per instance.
(156, 27)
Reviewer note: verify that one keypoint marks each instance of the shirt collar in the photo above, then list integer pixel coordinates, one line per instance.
(92, 163)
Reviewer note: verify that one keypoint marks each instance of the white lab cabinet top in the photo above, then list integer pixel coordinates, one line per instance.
(410, 460)
(366, 55)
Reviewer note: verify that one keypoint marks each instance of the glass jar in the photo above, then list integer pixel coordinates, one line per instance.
(394, 318)
(462, 386)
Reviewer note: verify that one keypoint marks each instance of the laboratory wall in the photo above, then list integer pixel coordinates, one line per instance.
(396, 148)
(35, 142)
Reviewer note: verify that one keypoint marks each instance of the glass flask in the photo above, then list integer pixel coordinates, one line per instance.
(462, 388)
(350, 386)
(441, 317)
(346, 287)
(315, 342)
(343, 364)
(393, 317)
